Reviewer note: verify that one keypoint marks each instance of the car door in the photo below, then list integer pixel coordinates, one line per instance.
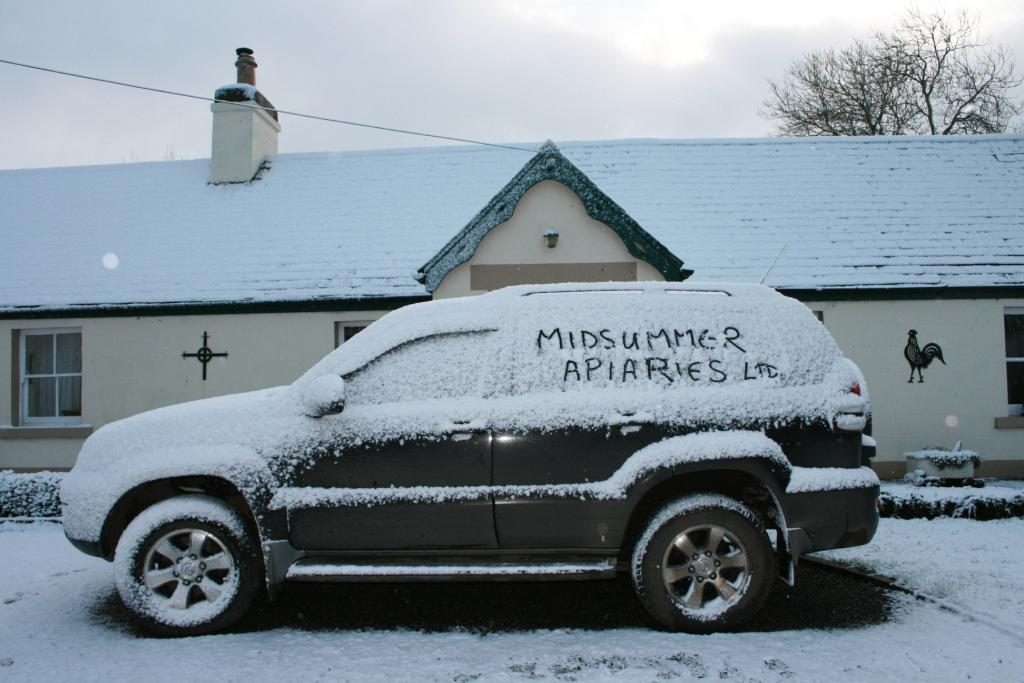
(407, 464)
(576, 425)
(543, 460)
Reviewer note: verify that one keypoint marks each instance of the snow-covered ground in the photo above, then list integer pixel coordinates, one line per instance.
(60, 620)
(973, 565)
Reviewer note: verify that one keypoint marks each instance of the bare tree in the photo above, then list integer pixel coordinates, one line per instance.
(959, 84)
(854, 91)
(929, 75)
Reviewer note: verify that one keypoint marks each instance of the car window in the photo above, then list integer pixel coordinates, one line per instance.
(435, 367)
(591, 342)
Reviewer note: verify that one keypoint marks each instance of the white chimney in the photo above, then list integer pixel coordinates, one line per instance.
(243, 135)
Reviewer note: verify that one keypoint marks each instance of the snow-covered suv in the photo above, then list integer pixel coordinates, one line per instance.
(698, 437)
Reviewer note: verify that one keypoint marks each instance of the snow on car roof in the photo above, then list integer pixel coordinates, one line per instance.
(485, 312)
(710, 288)
(799, 214)
(584, 336)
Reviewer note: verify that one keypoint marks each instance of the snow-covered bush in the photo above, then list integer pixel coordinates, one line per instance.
(30, 495)
(911, 502)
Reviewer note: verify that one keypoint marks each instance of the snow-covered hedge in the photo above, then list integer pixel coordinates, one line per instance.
(30, 495)
(905, 501)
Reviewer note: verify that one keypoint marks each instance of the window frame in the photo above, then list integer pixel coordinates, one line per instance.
(1013, 409)
(24, 419)
(339, 329)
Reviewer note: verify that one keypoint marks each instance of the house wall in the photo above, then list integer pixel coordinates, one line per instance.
(132, 364)
(519, 245)
(958, 401)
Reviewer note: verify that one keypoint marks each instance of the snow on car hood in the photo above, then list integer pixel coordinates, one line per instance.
(240, 419)
(226, 436)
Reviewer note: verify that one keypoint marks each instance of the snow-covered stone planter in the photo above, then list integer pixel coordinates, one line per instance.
(941, 465)
(30, 495)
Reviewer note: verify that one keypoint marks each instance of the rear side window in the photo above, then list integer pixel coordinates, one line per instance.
(659, 341)
(441, 366)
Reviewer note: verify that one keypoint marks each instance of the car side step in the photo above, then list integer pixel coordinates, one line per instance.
(319, 569)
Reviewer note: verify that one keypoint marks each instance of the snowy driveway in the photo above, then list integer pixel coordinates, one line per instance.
(60, 620)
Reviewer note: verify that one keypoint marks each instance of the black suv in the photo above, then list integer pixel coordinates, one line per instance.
(698, 438)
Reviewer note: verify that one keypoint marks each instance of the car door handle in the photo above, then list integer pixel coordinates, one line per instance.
(631, 417)
(461, 429)
(628, 421)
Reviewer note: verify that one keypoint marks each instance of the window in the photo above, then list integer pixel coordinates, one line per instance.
(1013, 326)
(343, 331)
(51, 377)
(441, 366)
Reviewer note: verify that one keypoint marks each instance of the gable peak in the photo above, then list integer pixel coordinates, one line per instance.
(549, 147)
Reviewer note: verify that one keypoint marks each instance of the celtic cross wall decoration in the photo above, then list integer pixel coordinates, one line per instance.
(204, 354)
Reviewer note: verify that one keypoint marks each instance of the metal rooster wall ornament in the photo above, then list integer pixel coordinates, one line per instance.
(920, 358)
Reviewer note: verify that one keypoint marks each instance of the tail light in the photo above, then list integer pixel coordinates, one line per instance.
(850, 418)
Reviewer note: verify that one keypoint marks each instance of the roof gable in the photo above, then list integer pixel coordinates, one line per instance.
(550, 164)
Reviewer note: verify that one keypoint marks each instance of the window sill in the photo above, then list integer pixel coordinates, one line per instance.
(1011, 422)
(54, 432)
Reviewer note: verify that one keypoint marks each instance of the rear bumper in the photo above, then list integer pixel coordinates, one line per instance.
(824, 520)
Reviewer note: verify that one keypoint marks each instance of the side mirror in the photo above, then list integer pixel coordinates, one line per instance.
(324, 396)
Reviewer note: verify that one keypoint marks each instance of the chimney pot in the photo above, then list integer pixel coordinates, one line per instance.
(246, 66)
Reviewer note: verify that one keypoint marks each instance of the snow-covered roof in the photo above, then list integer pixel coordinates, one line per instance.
(811, 213)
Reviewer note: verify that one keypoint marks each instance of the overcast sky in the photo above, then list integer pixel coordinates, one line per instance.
(495, 70)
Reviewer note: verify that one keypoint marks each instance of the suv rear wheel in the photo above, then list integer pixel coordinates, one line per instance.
(703, 564)
(186, 566)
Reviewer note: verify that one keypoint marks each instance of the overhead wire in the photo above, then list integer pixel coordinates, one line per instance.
(248, 105)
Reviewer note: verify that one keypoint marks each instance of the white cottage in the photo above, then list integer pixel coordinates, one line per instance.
(128, 287)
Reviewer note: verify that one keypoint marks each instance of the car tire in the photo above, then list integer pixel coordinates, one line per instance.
(703, 564)
(187, 566)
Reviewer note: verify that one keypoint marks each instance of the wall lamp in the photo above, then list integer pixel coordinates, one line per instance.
(551, 238)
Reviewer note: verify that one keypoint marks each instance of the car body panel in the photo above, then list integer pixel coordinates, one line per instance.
(461, 457)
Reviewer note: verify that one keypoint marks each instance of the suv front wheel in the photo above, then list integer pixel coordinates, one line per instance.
(703, 564)
(186, 566)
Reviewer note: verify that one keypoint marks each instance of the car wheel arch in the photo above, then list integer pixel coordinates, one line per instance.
(149, 493)
(746, 480)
